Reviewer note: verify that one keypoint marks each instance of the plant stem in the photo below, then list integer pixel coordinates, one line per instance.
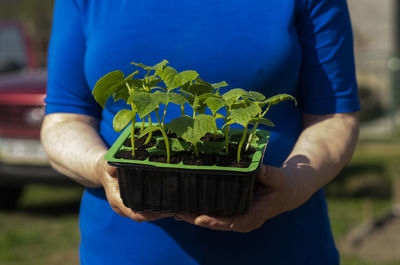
(142, 127)
(133, 133)
(183, 110)
(165, 112)
(266, 110)
(131, 90)
(164, 134)
(227, 128)
(182, 106)
(251, 135)
(227, 138)
(241, 144)
(150, 133)
(196, 151)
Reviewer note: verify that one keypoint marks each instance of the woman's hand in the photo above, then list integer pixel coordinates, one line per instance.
(325, 145)
(109, 180)
(277, 193)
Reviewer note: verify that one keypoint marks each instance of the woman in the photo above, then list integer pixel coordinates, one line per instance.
(300, 47)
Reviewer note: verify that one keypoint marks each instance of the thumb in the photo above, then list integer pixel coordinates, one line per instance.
(270, 176)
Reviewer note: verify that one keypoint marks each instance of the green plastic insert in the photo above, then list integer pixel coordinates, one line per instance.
(257, 156)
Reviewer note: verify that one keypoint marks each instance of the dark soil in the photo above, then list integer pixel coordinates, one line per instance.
(139, 143)
(210, 137)
(188, 157)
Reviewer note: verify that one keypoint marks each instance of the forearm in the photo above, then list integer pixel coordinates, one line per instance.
(74, 147)
(324, 147)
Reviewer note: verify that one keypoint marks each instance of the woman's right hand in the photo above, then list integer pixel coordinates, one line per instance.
(108, 177)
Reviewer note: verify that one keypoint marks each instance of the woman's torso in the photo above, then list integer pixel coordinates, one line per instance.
(249, 44)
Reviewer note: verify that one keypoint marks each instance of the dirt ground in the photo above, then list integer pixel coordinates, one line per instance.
(378, 241)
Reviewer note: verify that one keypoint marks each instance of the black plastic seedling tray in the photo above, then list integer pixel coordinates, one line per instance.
(177, 188)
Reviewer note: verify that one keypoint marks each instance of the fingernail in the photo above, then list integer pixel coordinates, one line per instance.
(198, 221)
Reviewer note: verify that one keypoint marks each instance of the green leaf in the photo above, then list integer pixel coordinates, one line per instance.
(167, 75)
(197, 89)
(205, 124)
(156, 151)
(228, 123)
(136, 84)
(254, 95)
(203, 82)
(264, 121)
(160, 97)
(219, 116)
(219, 84)
(189, 99)
(243, 116)
(198, 101)
(176, 98)
(152, 81)
(173, 79)
(106, 86)
(234, 94)
(183, 126)
(129, 77)
(146, 67)
(238, 104)
(175, 144)
(158, 87)
(254, 140)
(214, 104)
(198, 105)
(279, 98)
(148, 130)
(121, 93)
(184, 77)
(122, 119)
(191, 130)
(156, 67)
(211, 147)
(144, 103)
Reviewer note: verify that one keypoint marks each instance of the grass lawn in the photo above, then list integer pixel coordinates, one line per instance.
(348, 213)
(44, 229)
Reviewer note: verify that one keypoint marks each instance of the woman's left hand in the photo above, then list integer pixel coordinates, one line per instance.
(277, 194)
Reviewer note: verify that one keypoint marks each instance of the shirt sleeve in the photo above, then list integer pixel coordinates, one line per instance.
(67, 89)
(327, 82)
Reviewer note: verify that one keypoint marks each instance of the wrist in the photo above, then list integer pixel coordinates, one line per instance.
(101, 168)
(299, 189)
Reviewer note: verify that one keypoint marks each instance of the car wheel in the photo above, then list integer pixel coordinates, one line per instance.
(9, 197)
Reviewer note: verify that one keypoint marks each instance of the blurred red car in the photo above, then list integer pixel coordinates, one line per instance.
(22, 90)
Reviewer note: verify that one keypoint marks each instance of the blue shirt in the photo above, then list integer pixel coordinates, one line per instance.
(300, 47)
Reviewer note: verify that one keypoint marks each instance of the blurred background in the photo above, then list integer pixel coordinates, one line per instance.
(39, 207)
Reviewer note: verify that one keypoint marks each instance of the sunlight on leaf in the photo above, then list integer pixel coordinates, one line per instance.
(122, 119)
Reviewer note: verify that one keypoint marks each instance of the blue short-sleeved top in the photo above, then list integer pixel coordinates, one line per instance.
(300, 47)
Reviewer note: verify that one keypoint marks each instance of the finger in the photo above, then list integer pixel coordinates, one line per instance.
(186, 217)
(149, 216)
(111, 189)
(112, 171)
(217, 223)
(247, 222)
(263, 208)
(270, 176)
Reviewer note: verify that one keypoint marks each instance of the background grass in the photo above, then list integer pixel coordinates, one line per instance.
(44, 229)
